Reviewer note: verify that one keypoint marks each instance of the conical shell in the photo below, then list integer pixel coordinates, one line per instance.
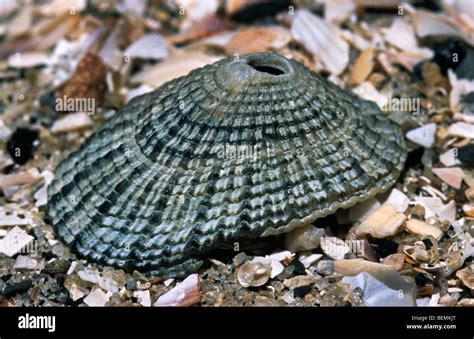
(237, 149)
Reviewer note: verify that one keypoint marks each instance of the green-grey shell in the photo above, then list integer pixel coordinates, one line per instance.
(159, 186)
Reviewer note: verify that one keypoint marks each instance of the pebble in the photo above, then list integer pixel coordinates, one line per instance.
(421, 229)
(57, 266)
(255, 273)
(423, 136)
(301, 292)
(303, 238)
(187, 293)
(15, 287)
(239, 259)
(470, 194)
(325, 267)
(97, 298)
(468, 209)
(462, 129)
(299, 280)
(466, 154)
(14, 241)
(467, 276)
(25, 263)
(450, 175)
(334, 248)
(384, 222)
(20, 146)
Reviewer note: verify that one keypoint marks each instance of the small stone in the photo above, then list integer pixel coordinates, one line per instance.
(470, 194)
(395, 260)
(14, 241)
(334, 248)
(254, 273)
(449, 158)
(25, 263)
(16, 287)
(239, 259)
(467, 276)
(450, 175)
(423, 136)
(56, 266)
(143, 298)
(384, 222)
(301, 291)
(131, 285)
(462, 129)
(325, 267)
(468, 209)
(421, 229)
(76, 292)
(466, 154)
(303, 238)
(97, 298)
(187, 293)
(299, 280)
(287, 272)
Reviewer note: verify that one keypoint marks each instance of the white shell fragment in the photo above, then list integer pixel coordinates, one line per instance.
(421, 229)
(321, 39)
(303, 238)
(449, 158)
(376, 293)
(435, 207)
(97, 298)
(398, 200)
(383, 223)
(255, 273)
(462, 129)
(41, 195)
(24, 262)
(14, 241)
(72, 122)
(143, 298)
(187, 293)
(423, 136)
(334, 248)
(149, 46)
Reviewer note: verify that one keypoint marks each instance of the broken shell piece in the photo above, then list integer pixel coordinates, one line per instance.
(417, 252)
(467, 276)
(421, 229)
(434, 206)
(41, 195)
(143, 297)
(321, 39)
(384, 222)
(14, 241)
(395, 260)
(149, 46)
(362, 210)
(72, 122)
(9, 182)
(468, 209)
(187, 293)
(303, 238)
(308, 260)
(470, 194)
(363, 66)
(334, 248)
(255, 273)
(257, 39)
(397, 199)
(450, 175)
(299, 280)
(462, 129)
(97, 298)
(423, 136)
(449, 158)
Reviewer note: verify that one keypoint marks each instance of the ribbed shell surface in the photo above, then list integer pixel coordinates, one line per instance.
(237, 149)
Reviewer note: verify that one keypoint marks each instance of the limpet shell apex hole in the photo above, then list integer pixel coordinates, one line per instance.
(270, 64)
